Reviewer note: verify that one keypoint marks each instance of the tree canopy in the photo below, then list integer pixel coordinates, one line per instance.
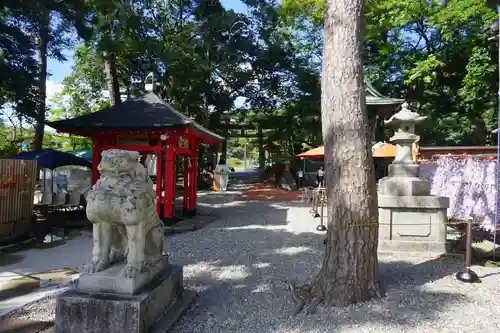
(261, 67)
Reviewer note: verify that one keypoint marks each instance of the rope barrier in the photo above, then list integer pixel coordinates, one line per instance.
(373, 224)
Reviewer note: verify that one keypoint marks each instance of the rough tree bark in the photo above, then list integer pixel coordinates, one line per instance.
(262, 151)
(112, 77)
(350, 272)
(42, 49)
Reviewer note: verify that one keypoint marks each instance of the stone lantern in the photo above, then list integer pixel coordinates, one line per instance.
(405, 120)
(410, 218)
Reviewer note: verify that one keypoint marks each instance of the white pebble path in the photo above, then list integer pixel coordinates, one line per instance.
(239, 263)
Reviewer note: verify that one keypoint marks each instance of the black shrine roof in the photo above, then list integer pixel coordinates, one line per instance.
(373, 97)
(146, 113)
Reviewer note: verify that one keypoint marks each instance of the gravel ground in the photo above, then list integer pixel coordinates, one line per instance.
(240, 262)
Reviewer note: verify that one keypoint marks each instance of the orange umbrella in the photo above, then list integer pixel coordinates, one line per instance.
(315, 152)
(386, 150)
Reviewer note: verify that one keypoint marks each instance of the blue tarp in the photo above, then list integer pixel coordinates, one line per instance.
(51, 159)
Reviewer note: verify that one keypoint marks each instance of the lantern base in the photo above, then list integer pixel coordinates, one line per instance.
(468, 276)
(321, 227)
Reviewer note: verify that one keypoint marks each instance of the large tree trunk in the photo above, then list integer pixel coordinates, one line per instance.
(262, 151)
(350, 271)
(112, 78)
(42, 44)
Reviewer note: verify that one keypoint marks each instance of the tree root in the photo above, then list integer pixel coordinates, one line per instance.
(377, 291)
(312, 307)
(300, 302)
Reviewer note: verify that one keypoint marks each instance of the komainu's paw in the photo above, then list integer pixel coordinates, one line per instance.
(116, 256)
(131, 272)
(96, 265)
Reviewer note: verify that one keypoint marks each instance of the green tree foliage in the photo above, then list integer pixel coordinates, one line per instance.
(434, 53)
(83, 89)
(44, 27)
(17, 64)
(207, 59)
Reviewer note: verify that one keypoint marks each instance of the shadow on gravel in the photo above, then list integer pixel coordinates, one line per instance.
(10, 259)
(261, 250)
(239, 265)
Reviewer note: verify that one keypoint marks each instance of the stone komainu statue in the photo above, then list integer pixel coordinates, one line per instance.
(122, 208)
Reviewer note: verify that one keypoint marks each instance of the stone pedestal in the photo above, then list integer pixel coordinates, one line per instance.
(412, 223)
(153, 310)
(112, 281)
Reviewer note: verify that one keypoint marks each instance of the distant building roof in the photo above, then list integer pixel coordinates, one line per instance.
(373, 97)
(146, 113)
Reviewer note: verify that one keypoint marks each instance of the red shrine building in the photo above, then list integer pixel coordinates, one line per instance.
(152, 127)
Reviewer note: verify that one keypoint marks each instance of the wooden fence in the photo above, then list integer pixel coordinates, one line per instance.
(17, 187)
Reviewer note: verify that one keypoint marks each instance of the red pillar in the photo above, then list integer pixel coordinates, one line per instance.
(186, 198)
(194, 178)
(160, 157)
(169, 178)
(96, 157)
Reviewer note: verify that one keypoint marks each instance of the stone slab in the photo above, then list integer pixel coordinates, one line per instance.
(404, 186)
(79, 312)
(391, 246)
(111, 280)
(389, 201)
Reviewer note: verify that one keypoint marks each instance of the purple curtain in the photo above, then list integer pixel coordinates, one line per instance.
(470, 185)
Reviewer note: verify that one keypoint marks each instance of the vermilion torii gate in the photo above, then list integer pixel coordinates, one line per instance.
(150, 126)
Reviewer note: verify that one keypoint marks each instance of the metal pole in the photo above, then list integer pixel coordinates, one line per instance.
(468, 241)
(497, 169)
(468, 275)
(245, 156)
(321, 226)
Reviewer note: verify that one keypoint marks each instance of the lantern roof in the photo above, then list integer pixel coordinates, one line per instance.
(405, 116)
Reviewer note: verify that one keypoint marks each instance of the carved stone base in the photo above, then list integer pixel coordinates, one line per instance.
(412, 224)
(154, 310)
(111, 280)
